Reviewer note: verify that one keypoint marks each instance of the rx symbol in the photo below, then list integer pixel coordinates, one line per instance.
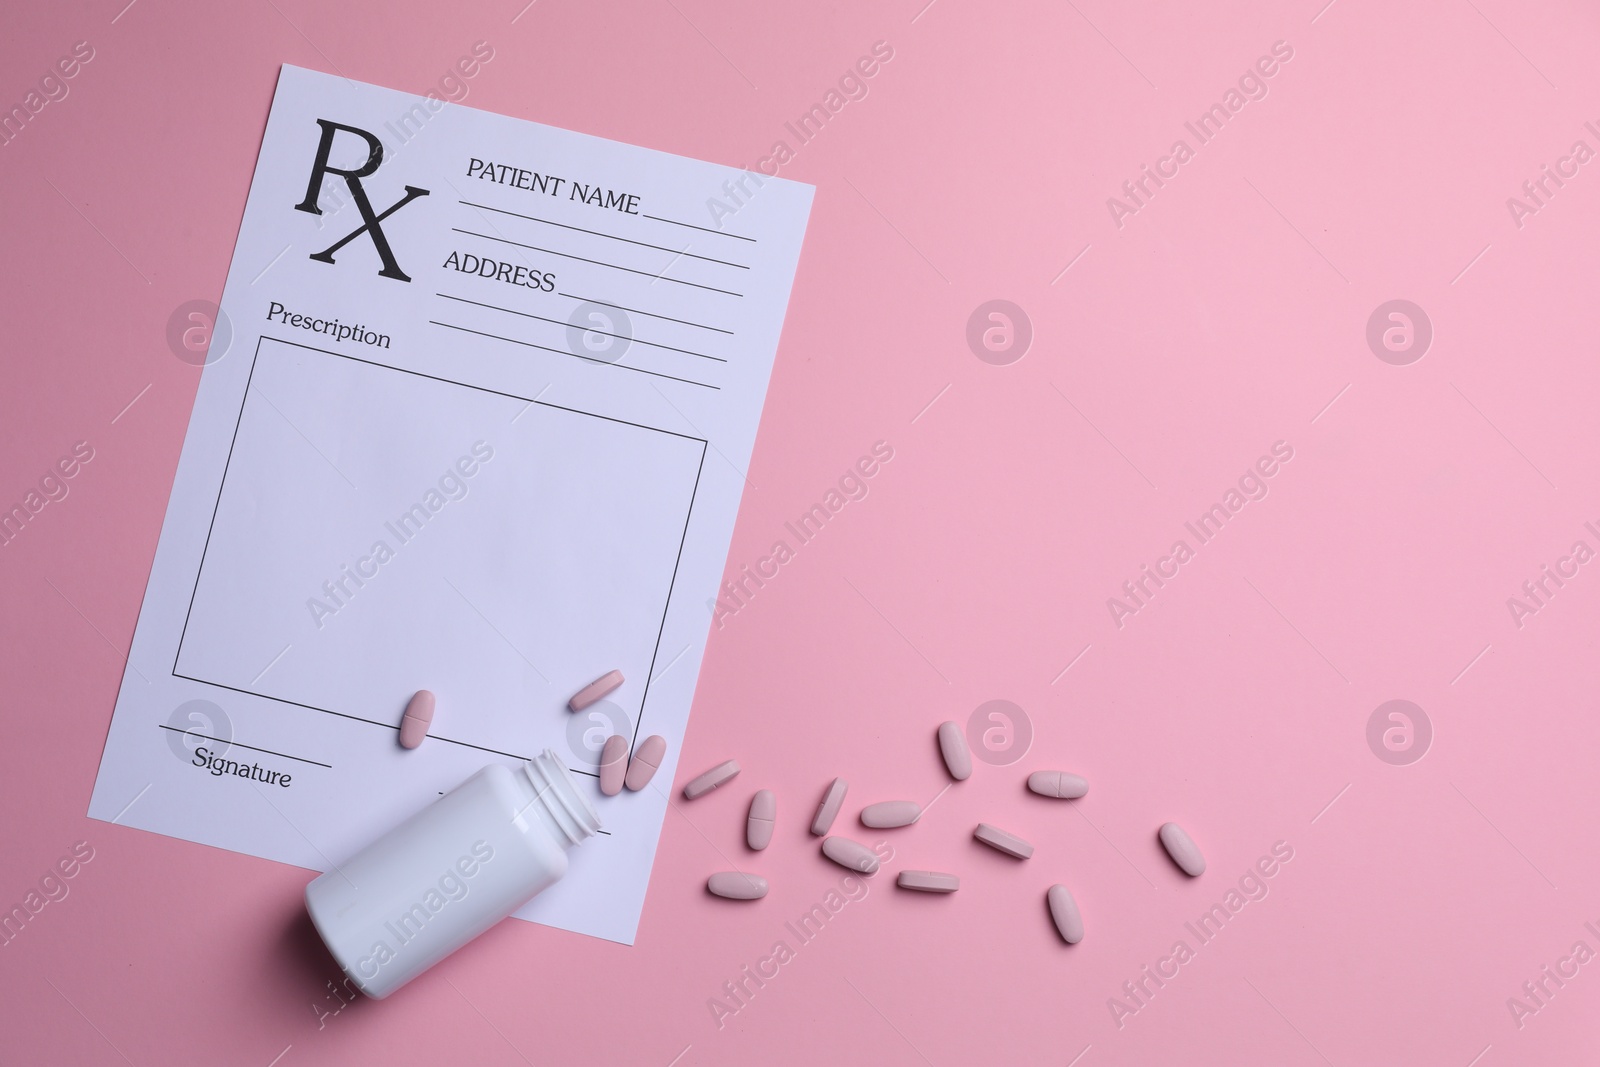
(369, 219)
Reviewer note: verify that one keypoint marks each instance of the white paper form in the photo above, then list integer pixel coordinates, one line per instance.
(480, 428)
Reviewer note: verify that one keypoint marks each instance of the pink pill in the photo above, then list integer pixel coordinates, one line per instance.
(721, 774)
(414, 723)
(828, 810)
(953, 747)
(596, 689)
(928, 881)
(1057, 784)
(1181, 847)
(736, 885)
(996, 838)
(613, 764)
(887, 814)
(763, 815)
(646, 759)
(851, 854)
(1064, 913)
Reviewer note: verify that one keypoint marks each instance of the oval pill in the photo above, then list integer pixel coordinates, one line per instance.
(595, 690)
(646, 758)
(928, 881)
(1057, 784)
(736, 885)
(887, 814)
(1064, 913)
(1010, 844)
(828, 810)
(721, 774)
(417, 718)
(1184, 852)
(851, 854)
(763, 813)
(953, 747)
(613, 764)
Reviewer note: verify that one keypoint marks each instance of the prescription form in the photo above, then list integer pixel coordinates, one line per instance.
(474, 418)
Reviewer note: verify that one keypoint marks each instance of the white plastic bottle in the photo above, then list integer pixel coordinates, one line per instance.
(449, 872)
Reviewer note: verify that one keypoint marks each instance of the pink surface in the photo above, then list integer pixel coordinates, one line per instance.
(1227, 313)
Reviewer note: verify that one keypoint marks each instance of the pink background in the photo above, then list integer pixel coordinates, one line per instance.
(1223, 317)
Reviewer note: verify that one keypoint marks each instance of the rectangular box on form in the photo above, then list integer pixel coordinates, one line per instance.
(346, 565)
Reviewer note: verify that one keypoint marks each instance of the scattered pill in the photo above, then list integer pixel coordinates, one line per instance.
(613, 764)
(646, 758)
(1064, 913)
(851, 854)
(721, 774)
(1057, 784)
(735, 885)
(957, 756)
(414, 723)
(828, 810)
(763, 813)
(928, 881)
(595, 690)
(1184, 852)
(1010, 844)
(887, 814)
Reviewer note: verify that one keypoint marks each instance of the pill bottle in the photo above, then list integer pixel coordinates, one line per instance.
(449, 872)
